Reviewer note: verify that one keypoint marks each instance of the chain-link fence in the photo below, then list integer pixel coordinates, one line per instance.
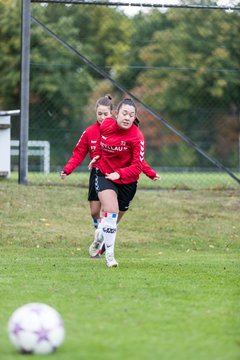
(181, 64)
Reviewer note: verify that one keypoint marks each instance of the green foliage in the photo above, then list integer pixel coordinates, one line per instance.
(194, 75)
(179, 154)
(10, 26)
(183, 63)
(202, 45)
(92, 32)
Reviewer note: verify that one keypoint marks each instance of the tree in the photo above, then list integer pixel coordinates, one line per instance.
(201, 54)
(191, 72)
(10, 27)
(60, 82)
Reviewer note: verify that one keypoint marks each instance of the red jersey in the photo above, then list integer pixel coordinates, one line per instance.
(86, 144)
(148, 171)
(121, 151)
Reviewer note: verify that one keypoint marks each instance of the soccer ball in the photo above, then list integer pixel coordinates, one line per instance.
(36, 328)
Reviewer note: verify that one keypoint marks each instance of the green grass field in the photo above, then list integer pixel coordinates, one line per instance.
(169, 180)
(175, 294)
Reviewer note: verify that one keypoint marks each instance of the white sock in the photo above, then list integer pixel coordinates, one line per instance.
(100, 230)
(109, 230)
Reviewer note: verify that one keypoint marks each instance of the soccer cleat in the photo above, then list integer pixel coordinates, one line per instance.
(111, 261)
(100, 252)
(96, 246)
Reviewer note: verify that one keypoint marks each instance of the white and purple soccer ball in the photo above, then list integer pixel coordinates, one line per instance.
(36, 328)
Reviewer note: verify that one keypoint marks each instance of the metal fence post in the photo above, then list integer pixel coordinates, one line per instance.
(25, 72)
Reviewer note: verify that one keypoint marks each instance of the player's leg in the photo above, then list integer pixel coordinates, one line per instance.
(97, 247)
(120, 215)
(125, 195)
(112, 202)
(107, 193)
(109, 203)
(94, 202)
(95, 209)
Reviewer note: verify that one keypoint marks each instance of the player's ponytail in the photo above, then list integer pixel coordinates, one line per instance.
(105, 101)
(137, 122)
(108, 96)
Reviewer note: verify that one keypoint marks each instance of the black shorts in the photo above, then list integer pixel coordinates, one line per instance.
(92, 194)
(125, 192)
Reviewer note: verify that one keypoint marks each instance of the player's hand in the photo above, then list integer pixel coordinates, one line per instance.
(63, 175)
(113, 176)
(93, 161)
(157, 177)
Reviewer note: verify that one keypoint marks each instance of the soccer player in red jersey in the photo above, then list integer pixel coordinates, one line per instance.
(86, 145)
(118, 160)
